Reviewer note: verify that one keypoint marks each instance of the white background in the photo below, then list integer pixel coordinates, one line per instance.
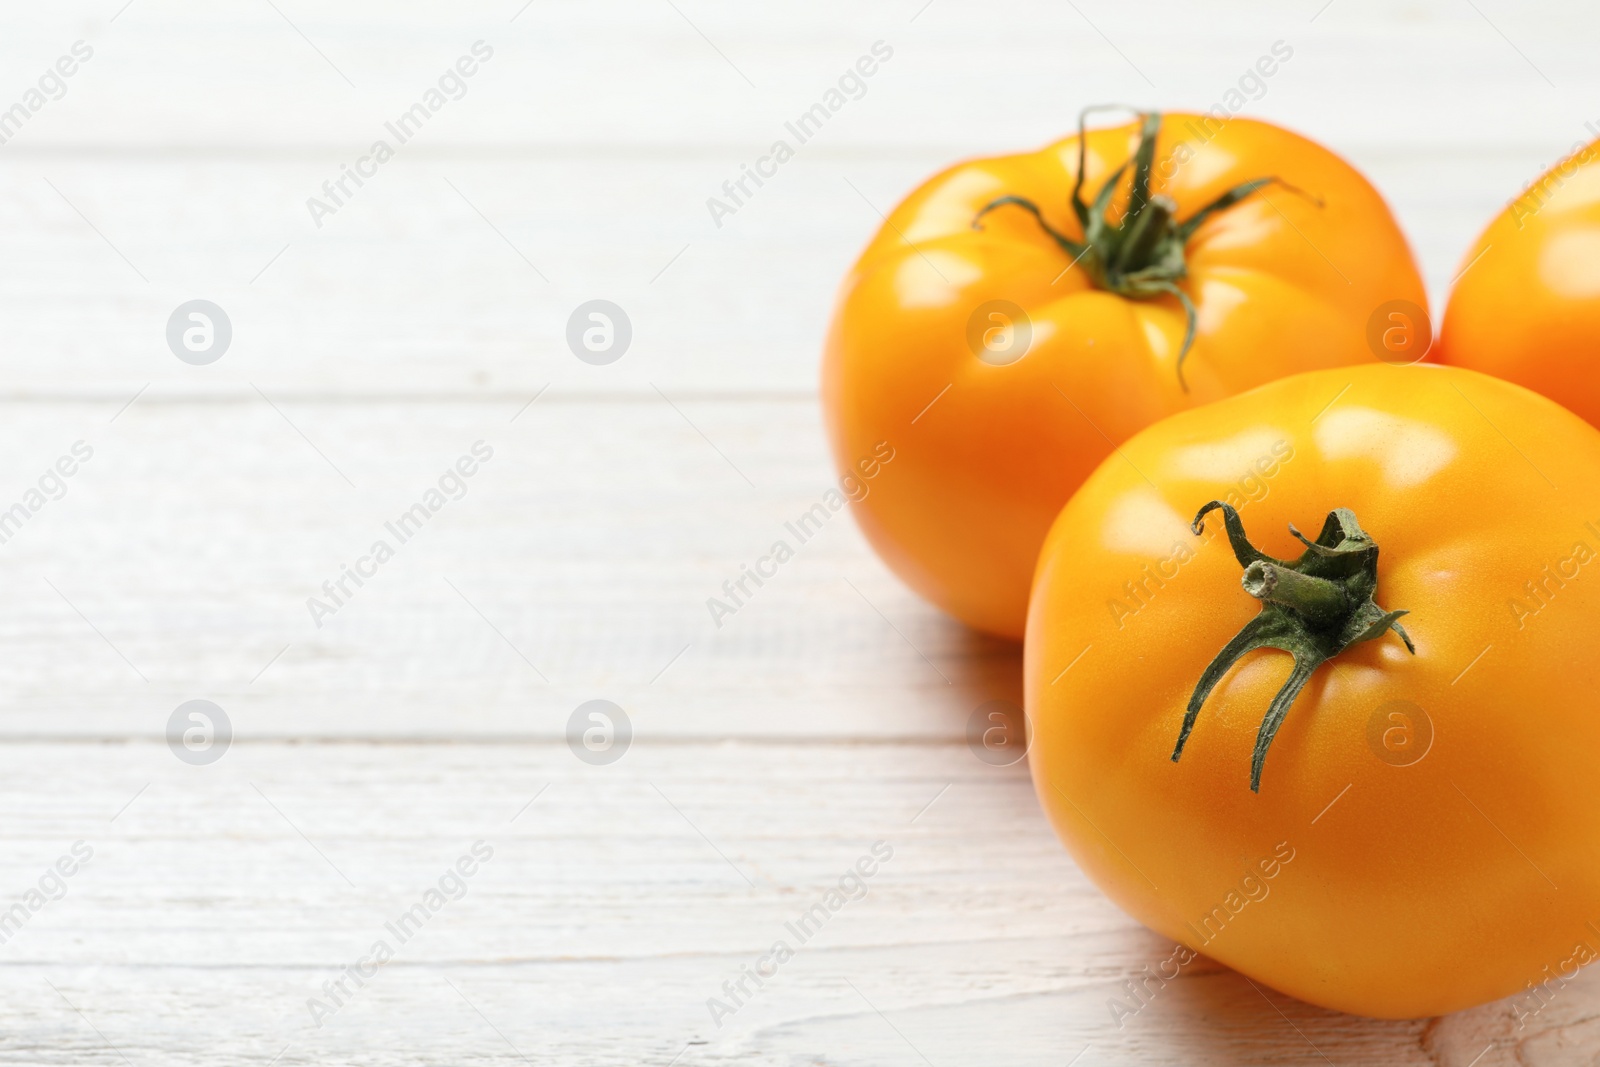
(369, 353)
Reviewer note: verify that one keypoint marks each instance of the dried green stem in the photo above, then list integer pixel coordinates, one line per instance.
(1315, 598)
(1141, 255)
(1313, 608)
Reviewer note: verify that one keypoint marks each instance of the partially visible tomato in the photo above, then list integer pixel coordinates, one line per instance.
(1526, 306)
(1003, 355)
(1391, 822)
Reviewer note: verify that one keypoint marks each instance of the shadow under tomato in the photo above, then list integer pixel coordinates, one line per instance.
(985, 675)
(1212, 1014)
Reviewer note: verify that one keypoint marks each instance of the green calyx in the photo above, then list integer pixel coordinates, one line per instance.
(1313, 608)
(1140, 255)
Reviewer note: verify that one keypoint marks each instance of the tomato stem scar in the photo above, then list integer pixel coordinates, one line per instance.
(1139, 256)
(1313, 608)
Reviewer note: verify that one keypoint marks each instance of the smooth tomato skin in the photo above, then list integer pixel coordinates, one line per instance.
(1413, 890)
(1526, 306)
(1281, 285)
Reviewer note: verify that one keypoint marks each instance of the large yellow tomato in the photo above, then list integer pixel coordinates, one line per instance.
(1370, 828)
(1004, 337)
(1526, 304)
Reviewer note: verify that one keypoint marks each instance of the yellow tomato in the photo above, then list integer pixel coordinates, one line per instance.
(1426, 834)
(1526, 306)
(1004, 341)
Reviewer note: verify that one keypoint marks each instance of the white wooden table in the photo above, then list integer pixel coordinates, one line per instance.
(429, 712)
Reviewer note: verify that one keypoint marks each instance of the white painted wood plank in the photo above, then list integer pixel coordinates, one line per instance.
(591, 543)
(411, 292)
(639, 72)
(192, 142)
(612, 908)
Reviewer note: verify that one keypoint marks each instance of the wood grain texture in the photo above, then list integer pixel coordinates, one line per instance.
(580, 160)
(181, 559)
(615, 904)
(428, 713)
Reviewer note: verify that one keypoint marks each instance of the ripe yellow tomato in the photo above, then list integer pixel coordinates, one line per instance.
(1426, 834)
(1004, 336)
(1526, 306)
